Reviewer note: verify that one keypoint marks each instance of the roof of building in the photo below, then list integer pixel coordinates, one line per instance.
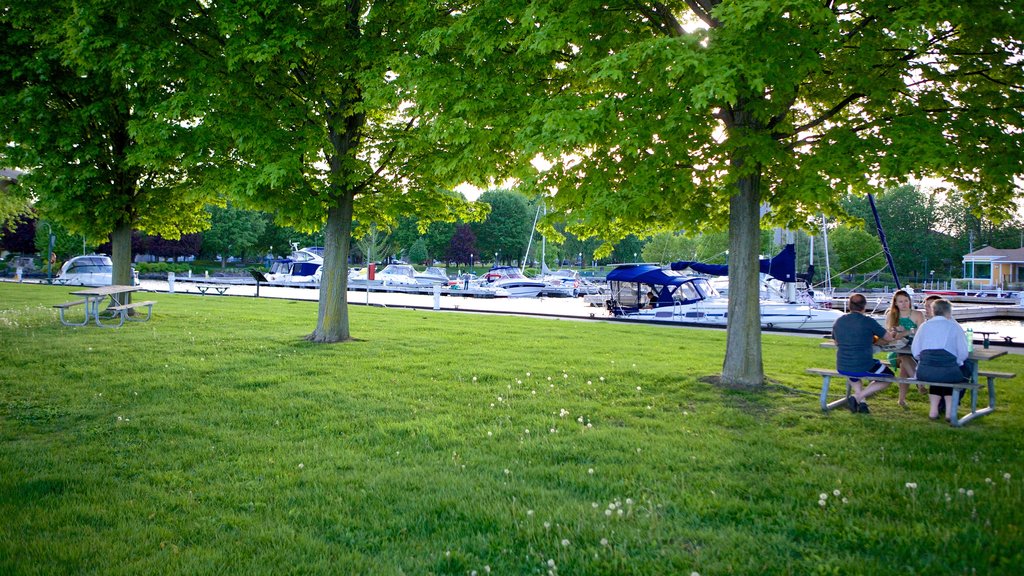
(1003, 255)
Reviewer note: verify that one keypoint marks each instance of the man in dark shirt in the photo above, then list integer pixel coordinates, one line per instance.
(854, 334)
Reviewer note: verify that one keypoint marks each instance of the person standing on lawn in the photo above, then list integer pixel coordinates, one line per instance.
(855, 334)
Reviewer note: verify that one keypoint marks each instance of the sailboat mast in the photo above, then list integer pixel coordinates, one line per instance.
(885, 244)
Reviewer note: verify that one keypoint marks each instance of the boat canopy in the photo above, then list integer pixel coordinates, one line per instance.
(782, 266)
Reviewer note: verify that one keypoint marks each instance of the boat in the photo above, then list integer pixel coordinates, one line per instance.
(510, 279)
(677, 294)
(432, 275)
(397, 275)
(87, 270)
(302, 266)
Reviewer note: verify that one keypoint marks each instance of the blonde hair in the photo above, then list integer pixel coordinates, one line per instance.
(892, 315)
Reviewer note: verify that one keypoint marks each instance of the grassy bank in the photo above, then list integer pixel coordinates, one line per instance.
(214, 439)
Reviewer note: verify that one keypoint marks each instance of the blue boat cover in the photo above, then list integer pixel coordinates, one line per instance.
(781, 267)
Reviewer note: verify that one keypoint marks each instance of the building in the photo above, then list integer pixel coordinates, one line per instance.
(1001, 268)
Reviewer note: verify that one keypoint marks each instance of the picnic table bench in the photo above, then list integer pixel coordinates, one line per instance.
(120, 308)
(973, 385)
(218, 288)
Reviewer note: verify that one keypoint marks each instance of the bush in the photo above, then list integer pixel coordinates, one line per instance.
(162, 267)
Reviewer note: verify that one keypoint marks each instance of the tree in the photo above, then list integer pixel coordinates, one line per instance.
(418, 252)
(13, 203)
(506, 230)
(84, 80)
(374, 245)
(233, 232)
(692, 115)
(462, 247)
(855, 251)
(316, 121)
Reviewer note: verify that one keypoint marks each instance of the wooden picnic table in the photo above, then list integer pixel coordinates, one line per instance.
(120, 307)
(976, 356)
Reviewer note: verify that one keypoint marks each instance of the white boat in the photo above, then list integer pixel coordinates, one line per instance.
(303, 266)
(87, 270)
(509, 279)
(432, 275)
(649, 292)
(397, 275)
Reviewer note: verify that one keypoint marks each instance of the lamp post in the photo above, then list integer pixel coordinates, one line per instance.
(470, 262)
(49, 254)
(495, 258)
(581, 261)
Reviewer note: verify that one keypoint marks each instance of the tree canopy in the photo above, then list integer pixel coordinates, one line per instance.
(693, 115)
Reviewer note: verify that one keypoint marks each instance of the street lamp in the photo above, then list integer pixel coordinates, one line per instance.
(495, 258)
(49, 254)
(581, 261)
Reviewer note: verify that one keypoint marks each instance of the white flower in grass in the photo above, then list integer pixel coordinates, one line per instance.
(594, 504)
(472, 573)
(551, 563)
(301, 465)
(563, 413)
(547, 525)
(822, 503)
(604, 541)
(620, 512)
(589, 382)
(601, 378)
(1006, 476)
(590, 471)
(533, 392)
(836, 492)
(527, 374)
(553, 430)
(845, 501)
(507, 471)
(988, 480)
(527, 430)
(637, 388)
(694, 573)
(474, 378)
(970, 493)
(487, 569)
(823, 496)
(629, 501)
(912, 485)
(499, 398)
(962, 491)
(492, 404)
(608, 512)
(565, 541)
(489, 433)
(589, 425)
(529, 512)
(564, 375)
(549, 378)
(519, 381)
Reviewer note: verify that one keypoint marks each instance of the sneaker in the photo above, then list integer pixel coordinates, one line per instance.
(851, 403)
(863, 408)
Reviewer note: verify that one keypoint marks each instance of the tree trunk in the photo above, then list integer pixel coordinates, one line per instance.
(332, 319)
(121, 254)
(743, 365)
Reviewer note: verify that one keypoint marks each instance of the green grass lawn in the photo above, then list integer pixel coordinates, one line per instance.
(214, 440)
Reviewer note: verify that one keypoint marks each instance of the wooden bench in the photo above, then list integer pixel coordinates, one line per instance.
(64, 306)
(991, 377)
(124, 311)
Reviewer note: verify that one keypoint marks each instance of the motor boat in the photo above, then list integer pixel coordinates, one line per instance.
(397, 275)
(432, 275)
(87, 270)
(650, 292)
(561, 283)
(511, 280)
(303, 266)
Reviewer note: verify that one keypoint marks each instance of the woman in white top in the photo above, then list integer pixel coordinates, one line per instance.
(940, 347)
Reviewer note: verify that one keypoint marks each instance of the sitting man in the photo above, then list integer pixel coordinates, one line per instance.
(941, 350)
(854, 334)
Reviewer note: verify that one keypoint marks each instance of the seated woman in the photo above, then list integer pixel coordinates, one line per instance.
(940, 347)
(902, 318)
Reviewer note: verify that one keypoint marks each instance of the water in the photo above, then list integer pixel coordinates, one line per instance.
(1013, 328)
